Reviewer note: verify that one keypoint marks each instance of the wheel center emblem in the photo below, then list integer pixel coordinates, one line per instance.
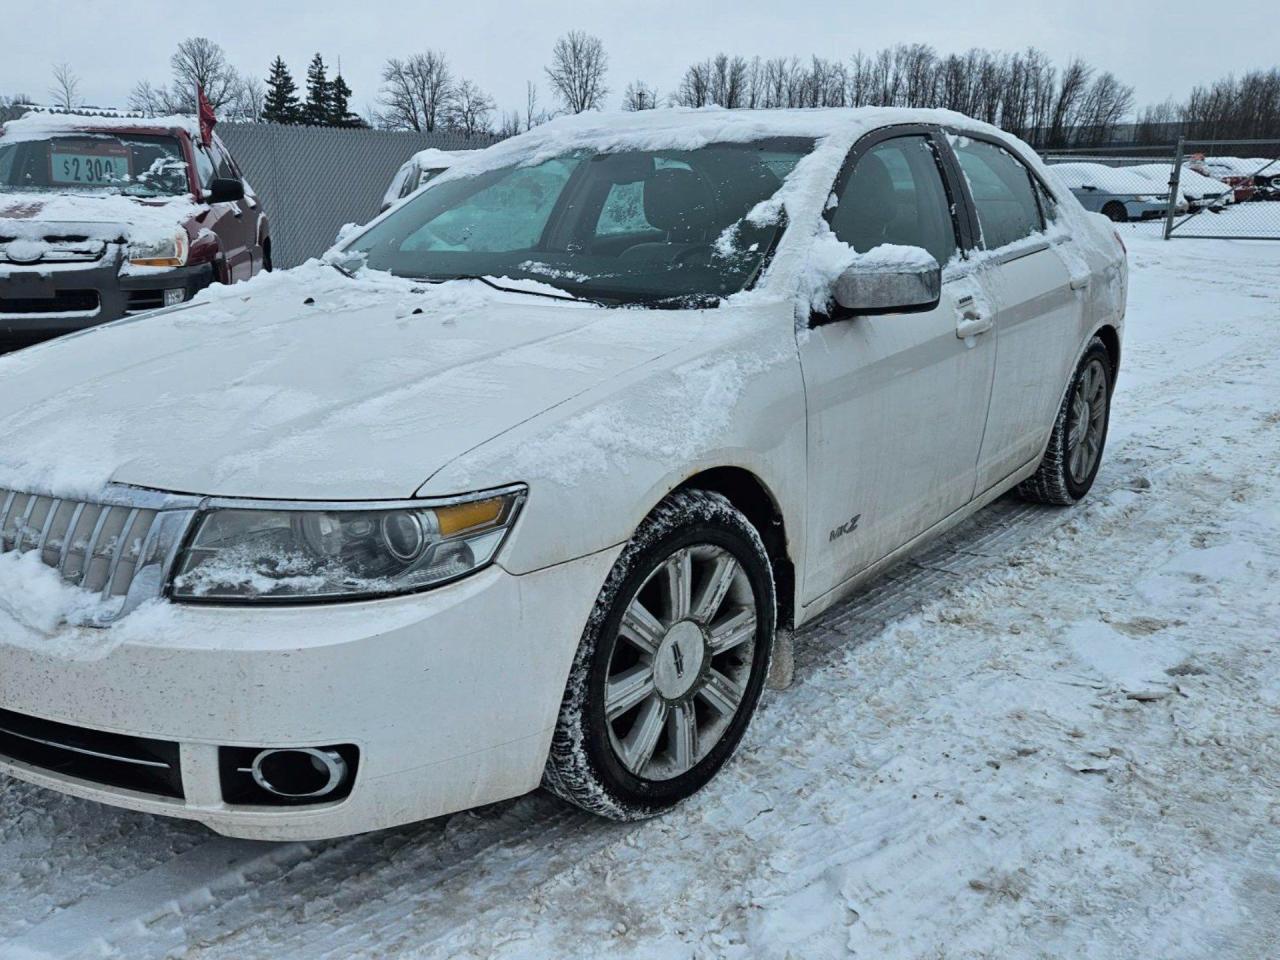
(677, 665)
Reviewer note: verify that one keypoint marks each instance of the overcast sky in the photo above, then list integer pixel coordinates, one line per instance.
(1163, 49)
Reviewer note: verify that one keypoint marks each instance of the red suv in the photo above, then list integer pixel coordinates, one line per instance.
(101, 217)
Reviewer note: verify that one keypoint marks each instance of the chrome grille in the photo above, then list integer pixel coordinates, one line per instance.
(61, 250)
(97, 547)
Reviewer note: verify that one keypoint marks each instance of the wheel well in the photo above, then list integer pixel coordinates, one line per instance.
(746, 492)
(1111, 340)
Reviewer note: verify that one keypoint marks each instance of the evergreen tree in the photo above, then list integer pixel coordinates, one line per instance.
(281, 105)
(340, 114)
(316, 109)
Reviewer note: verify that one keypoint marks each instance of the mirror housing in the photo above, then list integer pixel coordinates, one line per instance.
(874, 286)
(225, 190)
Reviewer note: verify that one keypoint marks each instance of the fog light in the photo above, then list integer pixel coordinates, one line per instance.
(175, 296)
(299, 774)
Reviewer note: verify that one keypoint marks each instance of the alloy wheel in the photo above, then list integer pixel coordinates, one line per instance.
(681, 662)
(1088, 421)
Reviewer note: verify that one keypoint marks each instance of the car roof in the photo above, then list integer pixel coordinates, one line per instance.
(41, 126)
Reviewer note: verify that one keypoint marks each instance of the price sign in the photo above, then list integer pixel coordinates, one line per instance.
(88, 163)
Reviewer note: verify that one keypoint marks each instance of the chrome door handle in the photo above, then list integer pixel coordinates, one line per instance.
(1079, 283)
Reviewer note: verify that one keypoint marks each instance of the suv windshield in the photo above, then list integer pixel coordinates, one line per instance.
(655, 226)
(136, 165)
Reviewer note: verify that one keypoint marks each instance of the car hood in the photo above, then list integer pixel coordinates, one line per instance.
(301, 385)
(97, 216)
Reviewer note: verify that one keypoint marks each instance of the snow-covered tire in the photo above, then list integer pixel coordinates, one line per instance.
(593, 754)
(1057, 480)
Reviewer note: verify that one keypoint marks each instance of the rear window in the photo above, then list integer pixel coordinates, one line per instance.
(1003, 192)
(135, 165)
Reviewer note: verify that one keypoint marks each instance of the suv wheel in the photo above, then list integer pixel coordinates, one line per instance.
(1079, 435)
(671, 664)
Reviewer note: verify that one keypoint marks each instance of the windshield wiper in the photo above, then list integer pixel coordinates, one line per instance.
(572, 298)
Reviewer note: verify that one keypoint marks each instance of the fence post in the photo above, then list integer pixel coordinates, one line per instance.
(1175, 179)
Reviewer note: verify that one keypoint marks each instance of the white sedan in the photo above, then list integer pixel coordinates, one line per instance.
(525, 482)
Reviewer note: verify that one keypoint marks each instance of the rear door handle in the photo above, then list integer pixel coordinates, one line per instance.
(1079, 283)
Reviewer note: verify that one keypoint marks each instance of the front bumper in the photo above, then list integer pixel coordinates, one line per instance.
(39, 303)
(450, 695)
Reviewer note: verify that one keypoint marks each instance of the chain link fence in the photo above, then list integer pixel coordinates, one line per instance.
(313, 180)
(1206, 189)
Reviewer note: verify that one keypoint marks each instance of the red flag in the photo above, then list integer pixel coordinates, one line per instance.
(207, 119)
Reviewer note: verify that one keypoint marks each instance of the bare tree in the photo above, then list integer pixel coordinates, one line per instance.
(415, 91)
(66, 87)
(533, 114)
(468, 109)
(578, 65)
(249, 100)
(198, 61)
(639, 96)
(511, 125)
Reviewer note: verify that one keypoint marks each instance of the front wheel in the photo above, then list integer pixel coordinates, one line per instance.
(671, 664)
(1074, 454)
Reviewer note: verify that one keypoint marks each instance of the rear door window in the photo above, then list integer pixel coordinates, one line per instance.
(896, 195)
(1003, 190)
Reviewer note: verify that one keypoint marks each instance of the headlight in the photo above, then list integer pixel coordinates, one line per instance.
(260, 553)
(167, 252)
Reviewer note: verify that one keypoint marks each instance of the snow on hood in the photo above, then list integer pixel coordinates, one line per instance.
(301, 385)
(99, 216)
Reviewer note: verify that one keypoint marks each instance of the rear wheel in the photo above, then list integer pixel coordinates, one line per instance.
(1074, 454)
(1115, 211)
(671, 664)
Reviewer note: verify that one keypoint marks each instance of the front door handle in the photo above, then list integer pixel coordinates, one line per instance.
(972, 320)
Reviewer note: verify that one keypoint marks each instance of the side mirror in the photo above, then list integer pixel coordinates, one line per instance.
(910, 282)
(225, 190)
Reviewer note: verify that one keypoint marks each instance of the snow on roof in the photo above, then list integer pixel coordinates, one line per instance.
(40, 126)
(1117, 180)
(1191, 183)
(435, 159)
(685, 128)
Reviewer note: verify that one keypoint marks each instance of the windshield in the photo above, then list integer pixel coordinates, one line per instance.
(665, 227)
(135, 165)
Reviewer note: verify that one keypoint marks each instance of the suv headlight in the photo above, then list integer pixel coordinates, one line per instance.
(166, 252)
(262, 553)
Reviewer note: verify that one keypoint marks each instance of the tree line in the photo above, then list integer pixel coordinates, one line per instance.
(1247, 108)
(1024, 92)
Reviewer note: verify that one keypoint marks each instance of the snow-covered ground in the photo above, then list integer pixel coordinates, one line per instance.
(1054, 734)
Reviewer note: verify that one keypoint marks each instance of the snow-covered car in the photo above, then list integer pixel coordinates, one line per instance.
(1196, 190)
(523, 483)
(417, 171)
(1115, 192)
(1242, 174)
(101, 217)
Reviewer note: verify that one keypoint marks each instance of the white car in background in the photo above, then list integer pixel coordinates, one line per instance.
(522, 486)
(1115, 192)
(1196, 190)
(418, 171)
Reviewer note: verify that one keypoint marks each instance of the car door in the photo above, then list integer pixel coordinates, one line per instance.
(896, 403)
(233, 223)
(1038, 304)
